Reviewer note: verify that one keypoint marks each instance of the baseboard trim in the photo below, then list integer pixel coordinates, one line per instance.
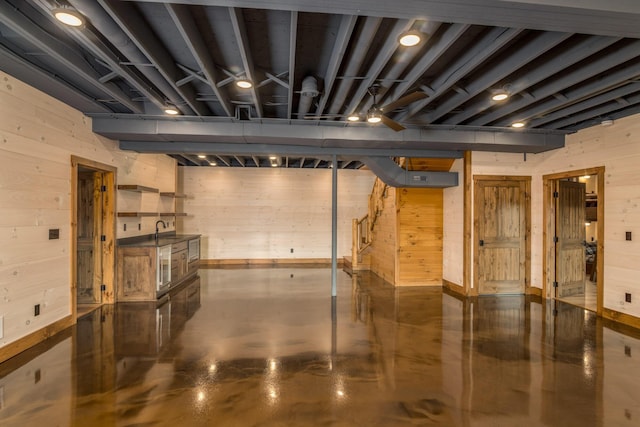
(625, 319)
(16, 347)
(453, 287)
(532, 290)
(268, 262)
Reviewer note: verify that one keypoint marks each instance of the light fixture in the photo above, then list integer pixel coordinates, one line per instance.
(213, 164)
(244, 84)
(500, 95)
(588, 223)
(202, 156)
(68, 16)
(172, 111)
(354, 118)
(517, 125)
(606, 122)
(275, 161)
(585, 176)
(410, 38)
(374, 115)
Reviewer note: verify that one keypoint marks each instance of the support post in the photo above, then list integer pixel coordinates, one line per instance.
(334, 225)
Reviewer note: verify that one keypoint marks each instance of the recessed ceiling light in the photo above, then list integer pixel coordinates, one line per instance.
(410, 38)
(500, 96)
(202, 156)
(172, 111)
(213, 163)
(353, 118)
(68, 16)
(244, 84)
(517, 125)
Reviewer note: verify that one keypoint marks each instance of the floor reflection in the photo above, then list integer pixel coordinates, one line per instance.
(269, 347)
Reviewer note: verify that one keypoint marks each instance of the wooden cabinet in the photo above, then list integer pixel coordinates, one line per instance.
(138, 267)
(137, 270)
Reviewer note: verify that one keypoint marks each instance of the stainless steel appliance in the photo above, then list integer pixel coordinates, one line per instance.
(163, 276)
(194, 250)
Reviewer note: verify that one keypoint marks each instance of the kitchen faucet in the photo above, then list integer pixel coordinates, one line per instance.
(163, 226)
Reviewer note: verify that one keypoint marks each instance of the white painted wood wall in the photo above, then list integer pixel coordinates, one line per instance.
(38, 136)
(263, 213)
(617, 148)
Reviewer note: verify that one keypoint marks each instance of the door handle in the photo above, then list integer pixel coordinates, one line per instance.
(481, 242)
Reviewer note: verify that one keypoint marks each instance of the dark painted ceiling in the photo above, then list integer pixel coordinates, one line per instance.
(312, 63)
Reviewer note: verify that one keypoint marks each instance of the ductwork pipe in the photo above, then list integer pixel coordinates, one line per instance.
(309, 91)
(103, 22)
(394, 176)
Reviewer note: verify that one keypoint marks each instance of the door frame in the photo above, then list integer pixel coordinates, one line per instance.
(548, 231)
(107, 247)
(526, 197)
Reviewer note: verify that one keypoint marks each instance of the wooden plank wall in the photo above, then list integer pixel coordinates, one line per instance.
(617, 149)
(419, 218)
(38, 136)
(246, 215)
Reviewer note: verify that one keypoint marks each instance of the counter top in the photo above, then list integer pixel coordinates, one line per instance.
(150, 241)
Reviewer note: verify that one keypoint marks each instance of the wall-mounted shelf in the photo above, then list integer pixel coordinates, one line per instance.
(138, 188)
(174, 195)
(136, 214)
(173, 214)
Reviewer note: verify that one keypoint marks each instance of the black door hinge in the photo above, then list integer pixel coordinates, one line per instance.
(103, 288)
(556, 194)
(555, 284)
(103, 188)
(103, 238)
(555, 239)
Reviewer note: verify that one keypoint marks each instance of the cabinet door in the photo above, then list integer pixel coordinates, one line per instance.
(137, 274)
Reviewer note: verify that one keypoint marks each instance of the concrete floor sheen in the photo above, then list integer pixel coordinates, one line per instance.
(270, 347)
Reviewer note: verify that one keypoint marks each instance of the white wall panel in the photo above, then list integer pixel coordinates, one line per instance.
(263, 213)
(38, 136)
(453, 223)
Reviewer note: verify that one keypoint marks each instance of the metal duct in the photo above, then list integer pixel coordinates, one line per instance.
(103, 22)
(393, 175)
(309, 91)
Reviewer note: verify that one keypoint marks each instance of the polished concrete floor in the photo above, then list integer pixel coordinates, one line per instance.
(269, 347)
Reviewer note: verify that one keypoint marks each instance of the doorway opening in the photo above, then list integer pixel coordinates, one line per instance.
(93, 235)
(574, 234)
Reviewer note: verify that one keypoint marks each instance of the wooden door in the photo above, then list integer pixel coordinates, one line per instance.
(571, 235)
(501, 219)
(88, 246)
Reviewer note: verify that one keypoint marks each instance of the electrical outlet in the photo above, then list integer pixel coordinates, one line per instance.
(627, 297)
(36, 310)
(628, 235)
(291, 250)
(627, 351)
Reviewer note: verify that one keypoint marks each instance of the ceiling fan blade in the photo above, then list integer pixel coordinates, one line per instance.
(405, 100)
(392, 123)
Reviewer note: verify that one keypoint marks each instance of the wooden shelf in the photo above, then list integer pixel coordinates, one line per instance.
(173, 214)
(136, 214)
(138, 188)
(174, 195)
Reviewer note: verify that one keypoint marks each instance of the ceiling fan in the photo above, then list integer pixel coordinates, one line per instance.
(376, 113)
